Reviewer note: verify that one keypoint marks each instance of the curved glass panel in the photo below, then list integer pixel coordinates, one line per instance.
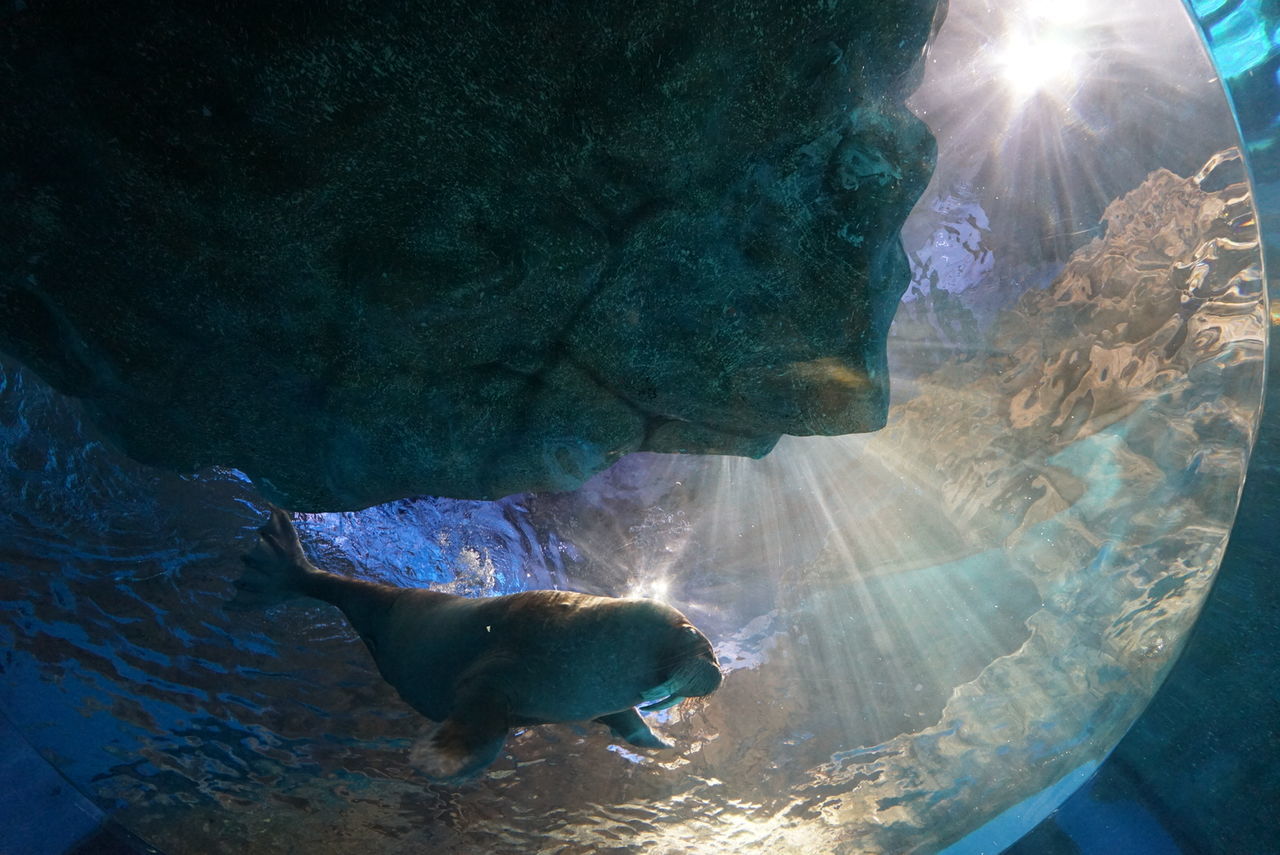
(921, 627)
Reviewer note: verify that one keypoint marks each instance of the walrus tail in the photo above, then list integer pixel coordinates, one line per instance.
(276, 569)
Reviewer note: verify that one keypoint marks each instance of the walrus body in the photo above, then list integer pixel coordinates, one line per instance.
(482, 666)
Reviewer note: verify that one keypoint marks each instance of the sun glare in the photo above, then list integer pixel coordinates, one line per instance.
(1036, 63)
(657, 588)
(1059, 13)
(1043, 48)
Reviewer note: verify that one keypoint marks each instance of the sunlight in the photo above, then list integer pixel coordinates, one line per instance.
(1043, 49)
(651, 588)
(1059, 13)
(1036, 62)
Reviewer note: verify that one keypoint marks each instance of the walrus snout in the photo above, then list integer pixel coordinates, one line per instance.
(701, 677)
(698, 672)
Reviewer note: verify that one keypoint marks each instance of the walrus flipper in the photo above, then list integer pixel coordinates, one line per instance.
(630, 727)
(276, 569)
(464, 743)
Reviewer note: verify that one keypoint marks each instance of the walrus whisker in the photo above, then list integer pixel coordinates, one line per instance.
(679, 657)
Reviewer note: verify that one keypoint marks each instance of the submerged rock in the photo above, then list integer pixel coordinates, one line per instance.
(364, 250)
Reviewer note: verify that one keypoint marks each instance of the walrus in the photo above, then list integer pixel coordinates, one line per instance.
(481, 666)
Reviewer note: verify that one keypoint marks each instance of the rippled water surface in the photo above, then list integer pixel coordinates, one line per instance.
(921, 626)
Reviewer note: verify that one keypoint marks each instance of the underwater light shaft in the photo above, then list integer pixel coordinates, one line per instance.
(1044, 50)
(919, 627)
(1023, 97)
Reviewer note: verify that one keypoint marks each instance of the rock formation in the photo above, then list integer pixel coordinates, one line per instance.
(361, 250)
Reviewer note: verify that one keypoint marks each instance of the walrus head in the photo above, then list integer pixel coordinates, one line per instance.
(692, 668)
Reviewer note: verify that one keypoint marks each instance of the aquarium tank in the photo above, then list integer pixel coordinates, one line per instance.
(914, 351)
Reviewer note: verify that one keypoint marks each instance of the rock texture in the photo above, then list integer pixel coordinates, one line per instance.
(366, 250)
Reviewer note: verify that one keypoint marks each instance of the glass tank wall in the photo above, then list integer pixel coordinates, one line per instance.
(936, 628)
(1174, 783)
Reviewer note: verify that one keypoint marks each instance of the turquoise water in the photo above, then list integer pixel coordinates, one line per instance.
(1242, 37)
